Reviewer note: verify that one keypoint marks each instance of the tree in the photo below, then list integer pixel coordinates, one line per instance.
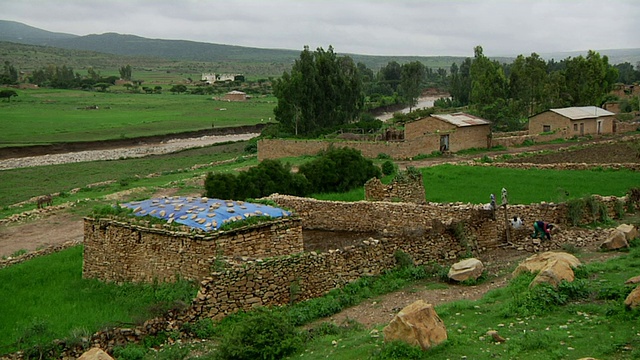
(9, 75)
(460, 83)
(527, 83)
(411, 80)
(178, 88)
(488, 89)
(589, 79)
(125, 72)
(322, 91)
(7, 94)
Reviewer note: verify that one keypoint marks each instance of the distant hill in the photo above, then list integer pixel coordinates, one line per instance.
(182, 50)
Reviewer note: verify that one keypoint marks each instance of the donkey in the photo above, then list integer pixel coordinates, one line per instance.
(45, 200)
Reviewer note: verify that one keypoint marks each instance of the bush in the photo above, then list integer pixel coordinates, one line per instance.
(260, 335)
(268, 177)
(388, 167)
(339, 170)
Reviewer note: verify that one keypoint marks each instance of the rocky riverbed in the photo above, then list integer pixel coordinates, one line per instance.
(139, 150)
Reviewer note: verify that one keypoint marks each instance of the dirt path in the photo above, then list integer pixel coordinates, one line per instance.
(498, 263)
(57, 228)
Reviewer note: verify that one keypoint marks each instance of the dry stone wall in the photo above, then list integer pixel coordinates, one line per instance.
(406, 189)
(116, 251)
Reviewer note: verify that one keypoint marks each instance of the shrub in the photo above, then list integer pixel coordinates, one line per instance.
(268, 177)
(129, 352)
(575, 210)
(339, 170)
(388, 167)
(403, 260)
(261, 334)
(399, 350)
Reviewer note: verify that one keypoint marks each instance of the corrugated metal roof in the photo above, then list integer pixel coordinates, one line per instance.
(461, 119)
(582, 112)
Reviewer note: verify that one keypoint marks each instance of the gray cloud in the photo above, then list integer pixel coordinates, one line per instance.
(406, 27)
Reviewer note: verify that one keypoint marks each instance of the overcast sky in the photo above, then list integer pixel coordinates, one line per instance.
(372, 27)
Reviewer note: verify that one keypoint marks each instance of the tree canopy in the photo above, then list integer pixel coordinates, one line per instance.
(322, 91)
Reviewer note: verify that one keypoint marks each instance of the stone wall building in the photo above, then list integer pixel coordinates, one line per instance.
(573, 121)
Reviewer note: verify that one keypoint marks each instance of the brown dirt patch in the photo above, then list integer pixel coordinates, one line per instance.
(57, 228)
(597, 154)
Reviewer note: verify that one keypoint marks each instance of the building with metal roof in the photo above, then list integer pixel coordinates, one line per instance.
(573, 121)
(449, 132)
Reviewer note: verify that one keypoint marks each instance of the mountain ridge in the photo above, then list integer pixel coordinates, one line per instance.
(188, 50)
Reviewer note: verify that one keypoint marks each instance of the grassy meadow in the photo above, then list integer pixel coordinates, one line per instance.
(46, 116)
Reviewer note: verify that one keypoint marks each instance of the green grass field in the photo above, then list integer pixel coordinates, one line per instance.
(51, 116)
(47, 298)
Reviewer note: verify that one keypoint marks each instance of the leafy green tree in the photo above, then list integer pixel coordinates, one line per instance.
(178, 89)
(125, 72)
(589, 79)
(9, 75)
(322, 91)
(627, 74)
(411, 80)
(8, 94)
(527, 84)
(460, 82)
(339, 170)
(391, 75)
(488, 82)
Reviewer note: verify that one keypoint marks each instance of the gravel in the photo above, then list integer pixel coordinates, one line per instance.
(121, 153)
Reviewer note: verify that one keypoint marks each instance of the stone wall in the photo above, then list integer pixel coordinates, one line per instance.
(403, 189)
(118, 251)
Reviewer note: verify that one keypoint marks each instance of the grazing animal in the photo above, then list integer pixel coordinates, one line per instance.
(45, 200)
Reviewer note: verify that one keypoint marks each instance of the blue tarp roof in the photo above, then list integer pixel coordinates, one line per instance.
(201, 212)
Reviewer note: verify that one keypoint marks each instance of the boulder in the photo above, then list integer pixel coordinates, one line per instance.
(466, 269)
(616, 240)
(633, 280)
(95, 354)
(552, 267)
(417, 324)
(540, 261)
(633, 299)
(630, 232)
(553, 274)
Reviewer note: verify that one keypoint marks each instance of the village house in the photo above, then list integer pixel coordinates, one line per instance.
(449, 132)
(211, 78)
(235, 96)
(573, 121)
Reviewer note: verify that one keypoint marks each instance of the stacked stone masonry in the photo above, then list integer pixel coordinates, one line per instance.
(408, 190)
(117, 251)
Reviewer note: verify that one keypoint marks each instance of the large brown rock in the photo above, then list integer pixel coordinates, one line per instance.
(466, 269)
(538, 262)
(95, 354)
(552, 267)
(417, 324)
(630, 232)
(617, 240)
(633, 280)
(633, 299)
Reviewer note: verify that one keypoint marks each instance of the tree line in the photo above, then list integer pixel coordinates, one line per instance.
(324, 91)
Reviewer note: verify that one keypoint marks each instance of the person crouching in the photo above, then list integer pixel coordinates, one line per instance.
(543, 229)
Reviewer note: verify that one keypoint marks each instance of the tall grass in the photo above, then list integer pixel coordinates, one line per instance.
(48, 294)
